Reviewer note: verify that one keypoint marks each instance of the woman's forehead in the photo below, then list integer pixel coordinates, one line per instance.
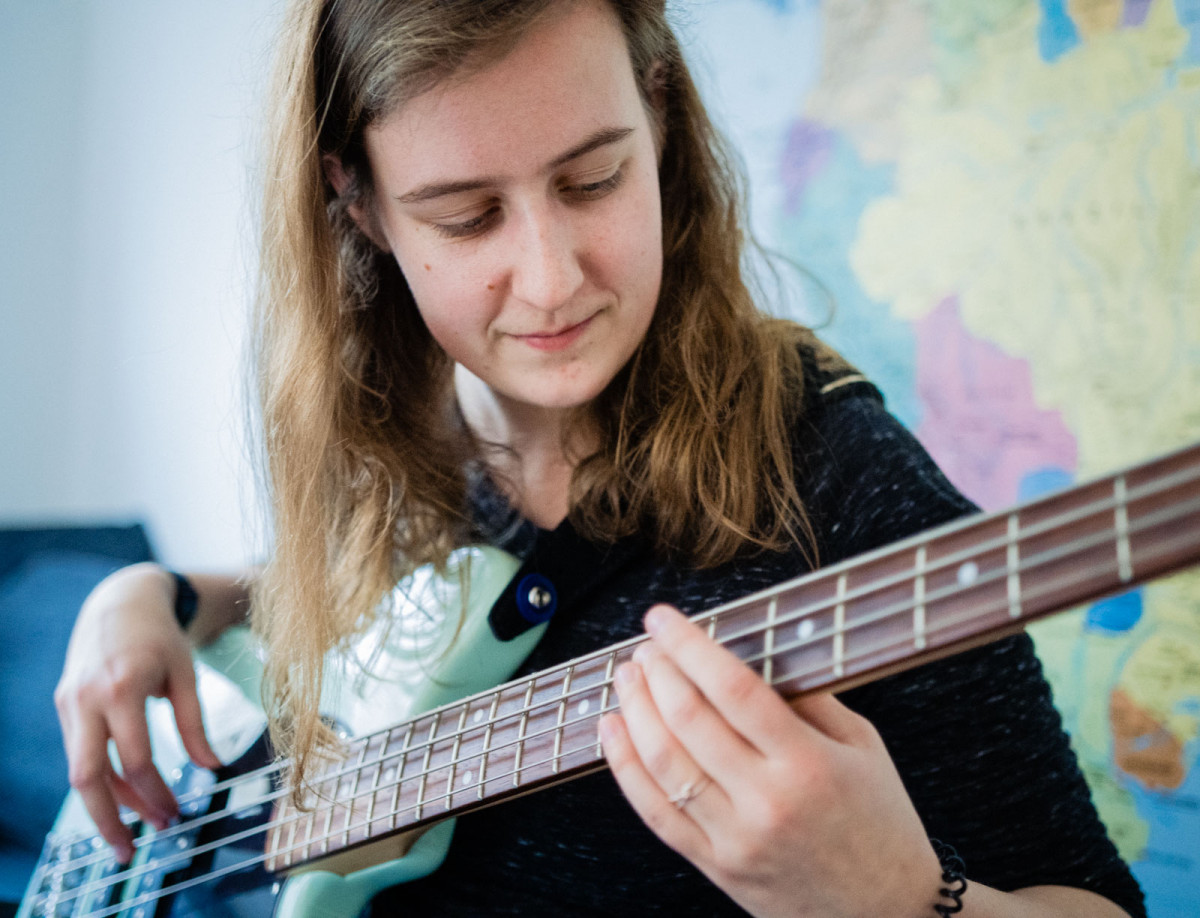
(567, 78)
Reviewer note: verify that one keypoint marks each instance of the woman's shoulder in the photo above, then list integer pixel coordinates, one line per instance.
(864, 477)
(828, 376)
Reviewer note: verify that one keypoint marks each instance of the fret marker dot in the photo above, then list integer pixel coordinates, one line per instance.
(479, 715)
(467, 778)
(388, 775)
(968, 573)
(805, 629)
(584, 707)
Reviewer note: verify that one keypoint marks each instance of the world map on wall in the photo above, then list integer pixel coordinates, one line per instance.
(997, 204)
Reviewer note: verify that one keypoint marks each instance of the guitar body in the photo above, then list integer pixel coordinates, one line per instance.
(430, 657)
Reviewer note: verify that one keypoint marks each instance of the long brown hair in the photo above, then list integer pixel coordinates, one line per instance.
(366, 460)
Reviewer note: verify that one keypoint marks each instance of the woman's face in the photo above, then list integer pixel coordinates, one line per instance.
(522, 205)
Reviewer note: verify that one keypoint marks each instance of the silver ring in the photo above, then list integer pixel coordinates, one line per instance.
(688, 792)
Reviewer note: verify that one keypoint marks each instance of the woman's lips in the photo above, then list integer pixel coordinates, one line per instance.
(558, 341)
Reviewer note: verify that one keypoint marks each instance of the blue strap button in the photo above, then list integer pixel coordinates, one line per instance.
(536, 598)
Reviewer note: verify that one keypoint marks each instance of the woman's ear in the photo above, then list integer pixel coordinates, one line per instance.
(342, 181)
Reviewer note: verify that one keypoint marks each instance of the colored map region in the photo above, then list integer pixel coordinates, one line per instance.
(995, 207)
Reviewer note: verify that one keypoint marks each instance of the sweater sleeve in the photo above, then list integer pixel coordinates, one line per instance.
(975, 737)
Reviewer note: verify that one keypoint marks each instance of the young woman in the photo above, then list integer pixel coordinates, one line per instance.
(503, 303)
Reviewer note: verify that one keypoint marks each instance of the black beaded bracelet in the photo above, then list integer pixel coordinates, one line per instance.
(953, 870)
(186, 599)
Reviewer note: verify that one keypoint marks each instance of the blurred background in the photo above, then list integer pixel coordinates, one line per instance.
(126, 264)
(993, 207)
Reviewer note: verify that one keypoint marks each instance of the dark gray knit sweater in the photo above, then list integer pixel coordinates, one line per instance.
(975, 737)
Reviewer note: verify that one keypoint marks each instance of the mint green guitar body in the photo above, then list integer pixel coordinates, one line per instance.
(439, 649)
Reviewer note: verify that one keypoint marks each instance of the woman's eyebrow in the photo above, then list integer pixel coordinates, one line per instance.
(595, 141)
(601, 138)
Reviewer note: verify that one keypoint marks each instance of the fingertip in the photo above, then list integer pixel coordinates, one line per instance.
(610, 727)
(627, 673)
(613, 738)
(201, 753)
(658, 617)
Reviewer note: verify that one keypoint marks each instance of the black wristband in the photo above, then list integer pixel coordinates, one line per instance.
(953, 870)
(186, 599)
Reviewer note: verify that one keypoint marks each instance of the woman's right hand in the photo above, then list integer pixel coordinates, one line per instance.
(126, 646)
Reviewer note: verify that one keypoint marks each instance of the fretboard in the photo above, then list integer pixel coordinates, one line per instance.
(937, 593)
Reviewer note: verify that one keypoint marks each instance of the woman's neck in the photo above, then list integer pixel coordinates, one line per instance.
(538, 448)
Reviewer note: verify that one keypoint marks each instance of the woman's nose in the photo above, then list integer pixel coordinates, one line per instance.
(546, 271)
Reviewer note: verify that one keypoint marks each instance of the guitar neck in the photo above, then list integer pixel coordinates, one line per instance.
(929, 596)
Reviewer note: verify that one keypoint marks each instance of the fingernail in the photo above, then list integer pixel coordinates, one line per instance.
(627, 673)
(644, 652)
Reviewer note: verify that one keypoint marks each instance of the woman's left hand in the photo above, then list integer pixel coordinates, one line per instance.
(791, 809)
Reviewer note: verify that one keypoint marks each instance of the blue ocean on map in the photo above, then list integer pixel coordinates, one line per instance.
(1174, 845)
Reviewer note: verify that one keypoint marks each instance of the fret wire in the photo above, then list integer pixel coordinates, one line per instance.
(919, 600)
(121, 877)
(428, 757)
(383, 744)
(270, 845)
(1013, 558)
(769, 639)
(328, 814)
(562, 713)
(487, 741)
(524, 723)
(453, 769)
(839, 625)
(354, 792)
(609, 666)
(291, 840)
(400, 766)
(712, 626)
(1124, 556)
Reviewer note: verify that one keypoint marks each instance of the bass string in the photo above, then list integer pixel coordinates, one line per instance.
(446, 768)
(179, 859)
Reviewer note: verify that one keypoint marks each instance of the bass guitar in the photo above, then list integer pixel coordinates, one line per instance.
(384, 812)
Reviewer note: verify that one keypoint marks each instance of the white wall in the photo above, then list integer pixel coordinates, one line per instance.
(125, 266)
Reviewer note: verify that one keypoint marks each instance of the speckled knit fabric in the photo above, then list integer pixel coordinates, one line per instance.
(975, 737)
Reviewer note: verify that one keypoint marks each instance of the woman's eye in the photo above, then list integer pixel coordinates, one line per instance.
(464, 228)
(589, 191)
